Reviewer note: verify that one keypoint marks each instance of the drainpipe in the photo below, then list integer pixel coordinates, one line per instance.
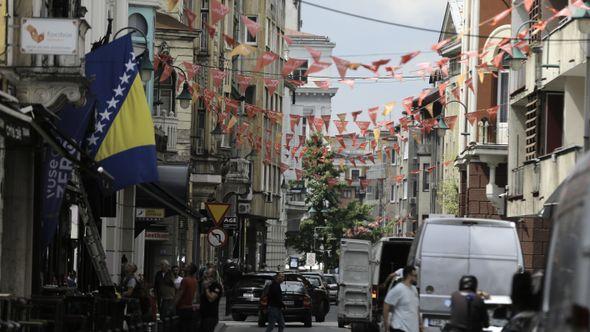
(587, 101)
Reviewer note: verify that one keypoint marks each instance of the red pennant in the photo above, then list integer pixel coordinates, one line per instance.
(326, 119)
(363, 146)
(271, 85)
(296, 83)
(190, 17)
(353, 136)
(450, 121)
(284, 167)
(456, 93)
(166, 73)
(341, 65)
(407, 104)
(396, 147)
(469, 84)
(497, 61)
(493, 112)
(231, 105)
(294, 121)
(315, 54)
(191, 69)
(373, 114)
(408, 57)
(229, 40)
(500, 16)
(355, 114)
(218, 76)
(243, 82)
(423, 95)
(416, 171)
(430, 169)
(211, 30)
(218, 11)
(363, 126)
(251, 110)
(388, 153)
(528, 4)
(341, 126)
(316, 67)
(340, 140)
(291, 65)
(253, 27)
(265, 59)
(371, 158)
(436, 47)
(472, 117)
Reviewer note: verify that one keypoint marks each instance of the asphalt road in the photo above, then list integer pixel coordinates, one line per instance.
(329, 325)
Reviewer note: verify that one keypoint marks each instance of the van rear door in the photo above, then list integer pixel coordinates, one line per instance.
(442, 258)
(494, 257)
(354, 296)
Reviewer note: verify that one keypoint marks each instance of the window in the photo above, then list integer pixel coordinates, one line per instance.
(425, 177)
(553, 119)
(164, 94)
(406, 150)
(298, 73)
(393, 157)
(355, 174)
(393, 196)
(405, 189)
(204, 34)
(503, 96)
(248, 38)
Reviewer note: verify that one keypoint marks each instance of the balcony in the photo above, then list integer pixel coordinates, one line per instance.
(532, 183)
(376, 172)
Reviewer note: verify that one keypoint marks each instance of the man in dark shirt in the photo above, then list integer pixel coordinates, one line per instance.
(468, 311)
(275, 304)
(210, 301)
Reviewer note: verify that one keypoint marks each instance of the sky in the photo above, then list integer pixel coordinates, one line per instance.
(354, 36)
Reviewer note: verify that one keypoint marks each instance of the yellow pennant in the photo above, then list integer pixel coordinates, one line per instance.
(242, 49)
(460, 80)
(481, 73)
(429, 109)
(232, 121)
(388, 108)
(377, 134)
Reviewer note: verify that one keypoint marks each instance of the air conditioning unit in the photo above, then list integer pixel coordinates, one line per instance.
(268, 197)
(244, 208)
(413, 200)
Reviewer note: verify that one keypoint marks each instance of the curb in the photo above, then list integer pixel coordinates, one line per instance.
(221, 327)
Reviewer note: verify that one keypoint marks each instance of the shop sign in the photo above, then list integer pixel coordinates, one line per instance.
(153, 214)
(156, 236)
(14, 130)
(49, 36)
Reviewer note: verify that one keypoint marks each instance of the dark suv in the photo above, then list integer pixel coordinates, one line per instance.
(298, 304)
(319, 294)
(245, 297)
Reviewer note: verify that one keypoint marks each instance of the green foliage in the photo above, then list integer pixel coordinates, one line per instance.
(448, 196)
(330, 221)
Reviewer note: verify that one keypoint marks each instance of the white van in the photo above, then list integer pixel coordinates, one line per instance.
(447, 248)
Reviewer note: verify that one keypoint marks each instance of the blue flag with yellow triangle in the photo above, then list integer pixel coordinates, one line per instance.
(122, 140)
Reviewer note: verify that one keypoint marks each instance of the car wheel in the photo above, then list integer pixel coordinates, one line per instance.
(261, 319)
(341, 323)
(307, 320)
(358, 327)
(238, 317)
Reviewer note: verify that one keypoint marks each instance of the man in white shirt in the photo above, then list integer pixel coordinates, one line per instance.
(403, 301)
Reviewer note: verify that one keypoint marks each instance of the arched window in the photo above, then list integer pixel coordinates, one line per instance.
(165, 99)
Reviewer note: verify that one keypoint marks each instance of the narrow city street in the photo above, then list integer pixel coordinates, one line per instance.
(250, 324)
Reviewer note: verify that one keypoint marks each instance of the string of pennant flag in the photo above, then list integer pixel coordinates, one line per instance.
(414, 123)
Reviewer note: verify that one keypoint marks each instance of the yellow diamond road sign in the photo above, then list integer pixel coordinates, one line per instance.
(217, 211)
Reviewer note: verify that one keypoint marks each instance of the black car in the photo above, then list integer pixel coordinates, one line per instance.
(332, 285)
(245, 297)
(298, 304)
(319, 294)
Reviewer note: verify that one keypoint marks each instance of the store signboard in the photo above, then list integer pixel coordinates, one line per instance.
(49, 36)
(156, 236)
(153, 214)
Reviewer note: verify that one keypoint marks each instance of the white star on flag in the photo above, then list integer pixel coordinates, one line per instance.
(106, 115)
(99, 126)
(133, 56)
(92, 140)
(112, 103)
(130, 65)
(118, 91)
(125, 78)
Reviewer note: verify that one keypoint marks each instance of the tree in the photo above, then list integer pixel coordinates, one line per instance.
(448, 197)
(327, 221)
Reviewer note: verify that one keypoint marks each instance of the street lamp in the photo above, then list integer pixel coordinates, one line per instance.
(145, 66)
(184, 97)
(465, 132)
(582, 17)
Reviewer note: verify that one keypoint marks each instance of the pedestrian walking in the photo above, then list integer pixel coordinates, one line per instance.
(275, 304)
(136, 296)
(164, 288)
(209, 309)
(404, 303)
(186, 300)
(468, 312)
(177, 276)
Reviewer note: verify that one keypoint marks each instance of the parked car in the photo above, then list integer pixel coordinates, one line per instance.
(319, 295)
(447, 248)
(297, 300)
(332, 285)
(246, 295)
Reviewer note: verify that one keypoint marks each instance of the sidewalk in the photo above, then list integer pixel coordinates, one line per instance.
(222, 316)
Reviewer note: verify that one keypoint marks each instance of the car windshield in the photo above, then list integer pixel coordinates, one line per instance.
(256, 282)
(330, 279)
(292, 287)
(314, 281)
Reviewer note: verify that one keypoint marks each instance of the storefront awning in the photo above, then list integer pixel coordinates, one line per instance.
(170, 193)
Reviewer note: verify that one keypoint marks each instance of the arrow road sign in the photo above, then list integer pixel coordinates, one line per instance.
(217, 211)
(217, 237)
